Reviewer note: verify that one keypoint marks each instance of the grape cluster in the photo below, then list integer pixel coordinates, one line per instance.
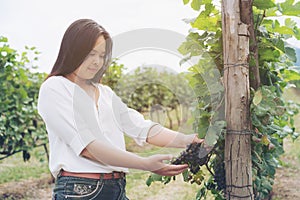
(194, 155)
(219, 176)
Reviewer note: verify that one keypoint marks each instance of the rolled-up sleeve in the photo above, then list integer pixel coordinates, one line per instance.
(68, 115)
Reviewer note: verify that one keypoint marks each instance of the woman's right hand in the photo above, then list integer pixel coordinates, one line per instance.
(156, 165)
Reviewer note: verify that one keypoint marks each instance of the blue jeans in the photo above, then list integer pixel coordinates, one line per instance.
(67, 187)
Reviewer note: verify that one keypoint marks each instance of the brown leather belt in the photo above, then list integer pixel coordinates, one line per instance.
(113, 175)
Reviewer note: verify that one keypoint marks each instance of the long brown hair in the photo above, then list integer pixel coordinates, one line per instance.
(78, 40)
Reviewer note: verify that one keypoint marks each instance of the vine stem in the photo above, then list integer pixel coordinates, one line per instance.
(7, 154)
(207, 167)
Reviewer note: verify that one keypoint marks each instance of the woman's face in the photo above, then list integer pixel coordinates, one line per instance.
(93, 61)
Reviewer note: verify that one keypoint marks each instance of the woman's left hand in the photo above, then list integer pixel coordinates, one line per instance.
(197, 140)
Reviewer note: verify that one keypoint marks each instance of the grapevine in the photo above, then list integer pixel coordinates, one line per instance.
(195, 156)
(192, 156)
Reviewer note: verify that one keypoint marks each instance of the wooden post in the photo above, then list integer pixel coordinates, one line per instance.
(237, 93)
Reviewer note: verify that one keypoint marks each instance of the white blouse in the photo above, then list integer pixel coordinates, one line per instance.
(73, 121)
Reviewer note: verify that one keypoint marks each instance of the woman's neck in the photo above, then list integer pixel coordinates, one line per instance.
(83, 83)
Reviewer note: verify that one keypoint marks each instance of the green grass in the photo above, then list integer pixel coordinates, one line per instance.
(15, 169)
(176, 190)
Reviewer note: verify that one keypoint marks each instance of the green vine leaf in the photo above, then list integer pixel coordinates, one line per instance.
(293, 25)
(265, 140)
(185, 175)
(269, 55)
(291, 75)
(291, 53)
(282, 29)
(271, 12)
(196, 4)
(152, 178)
(214, 132)
(257, 97)
(186, 2)
(3, 39)
(263, 4)
(208, 20)
(289, 7)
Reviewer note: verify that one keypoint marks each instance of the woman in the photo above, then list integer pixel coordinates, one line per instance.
(85, 121)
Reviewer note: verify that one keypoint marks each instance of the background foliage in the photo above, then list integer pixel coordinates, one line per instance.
(21, 128)
(155, 90)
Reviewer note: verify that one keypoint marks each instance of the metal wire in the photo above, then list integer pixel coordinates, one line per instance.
(240, 132)
(229, 65)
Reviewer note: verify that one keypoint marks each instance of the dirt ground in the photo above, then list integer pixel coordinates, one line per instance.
(287, 184)
(33, 189)
(287, 179)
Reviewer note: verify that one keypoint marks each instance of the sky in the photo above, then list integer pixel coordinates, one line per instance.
(42, 23)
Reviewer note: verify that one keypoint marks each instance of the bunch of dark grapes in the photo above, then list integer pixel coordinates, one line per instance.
(194, 155)
(219, 176)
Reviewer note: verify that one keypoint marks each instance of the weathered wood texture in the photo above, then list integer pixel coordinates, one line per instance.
(237, 93)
